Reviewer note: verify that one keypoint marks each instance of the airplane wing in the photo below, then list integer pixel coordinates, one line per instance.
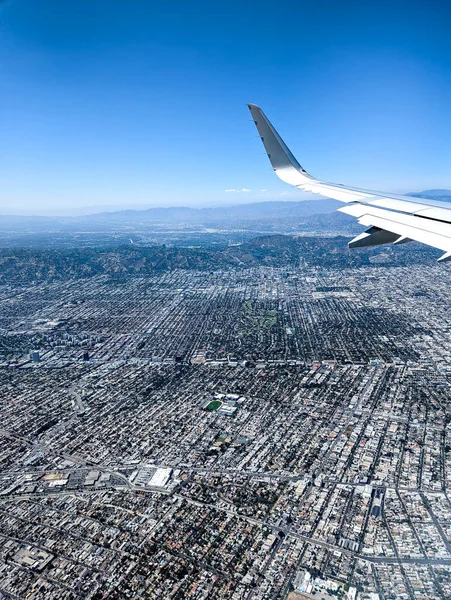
(390, 218)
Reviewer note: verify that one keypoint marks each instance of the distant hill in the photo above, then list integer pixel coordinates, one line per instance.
(183, 214)
(22, 265)
(204, 215)
(439, 194)
(183, 225)
(312, 216)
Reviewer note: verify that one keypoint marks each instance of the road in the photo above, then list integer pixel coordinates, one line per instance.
(288, 531)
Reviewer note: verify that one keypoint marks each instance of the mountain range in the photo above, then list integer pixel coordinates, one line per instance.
(314, 217)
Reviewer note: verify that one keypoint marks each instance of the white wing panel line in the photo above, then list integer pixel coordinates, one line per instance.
(410, 218)
(337, 193)
(439, 214)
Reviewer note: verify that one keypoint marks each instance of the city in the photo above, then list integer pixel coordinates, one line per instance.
(260, 433)
(225, 274)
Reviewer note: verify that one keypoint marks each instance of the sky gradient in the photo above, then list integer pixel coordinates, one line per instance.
(134, 102)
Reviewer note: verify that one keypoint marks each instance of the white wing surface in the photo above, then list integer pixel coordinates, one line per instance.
(390, 218)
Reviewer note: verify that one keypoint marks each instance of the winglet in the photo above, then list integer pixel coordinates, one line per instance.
(282, 160)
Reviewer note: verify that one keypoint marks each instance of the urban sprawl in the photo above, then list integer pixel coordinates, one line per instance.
(250, 434)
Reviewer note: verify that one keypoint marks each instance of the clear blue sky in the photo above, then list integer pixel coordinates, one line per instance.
(142, 102)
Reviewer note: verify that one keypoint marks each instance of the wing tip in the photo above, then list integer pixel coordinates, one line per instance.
(255, 110)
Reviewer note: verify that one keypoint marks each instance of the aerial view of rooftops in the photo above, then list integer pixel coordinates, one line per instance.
(222, 377)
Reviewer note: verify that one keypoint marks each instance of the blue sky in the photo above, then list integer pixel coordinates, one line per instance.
(138, 102)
